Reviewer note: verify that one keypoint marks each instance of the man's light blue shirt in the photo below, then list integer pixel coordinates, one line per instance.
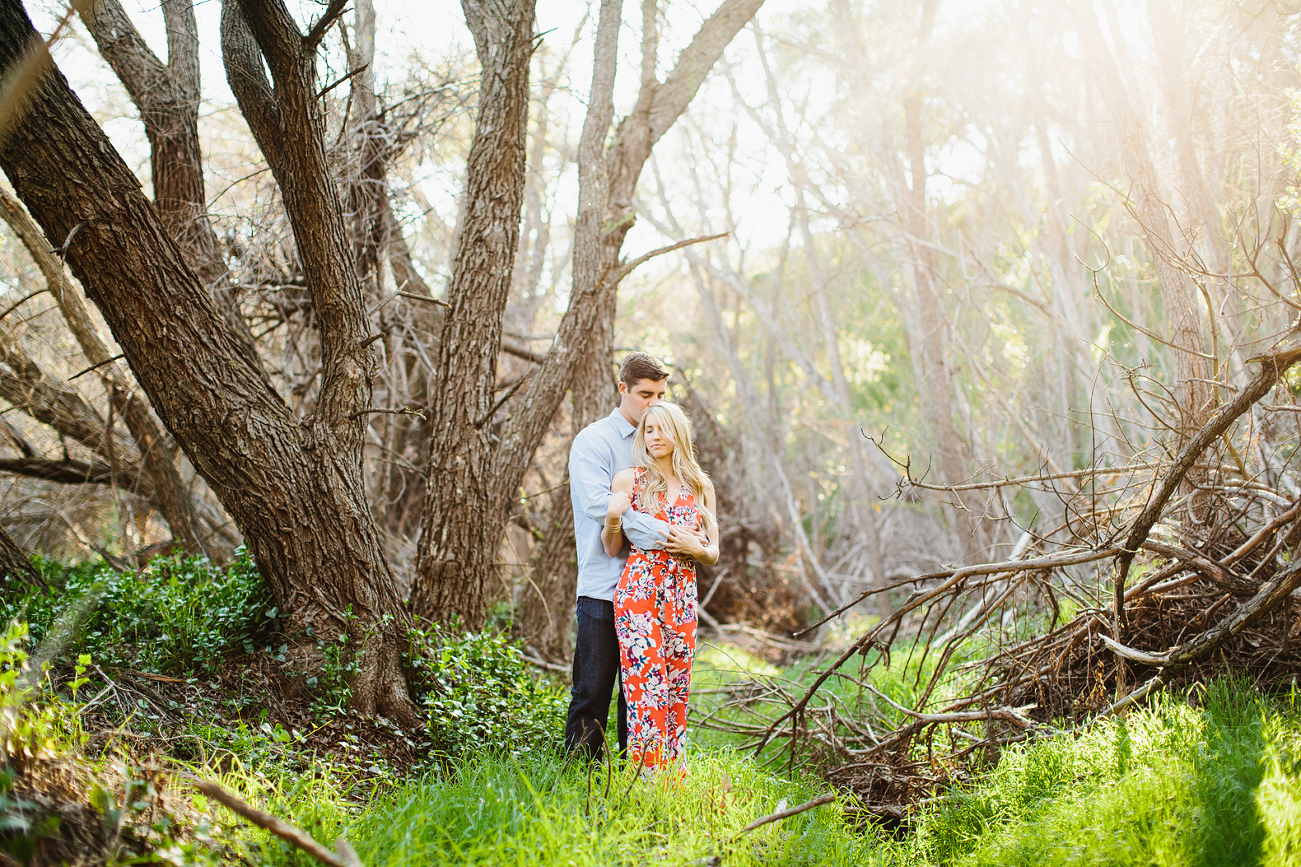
(601, 450)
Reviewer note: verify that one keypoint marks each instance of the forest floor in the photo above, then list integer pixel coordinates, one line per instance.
(173, 676)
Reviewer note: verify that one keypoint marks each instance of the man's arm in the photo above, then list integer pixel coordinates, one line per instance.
(589, 484)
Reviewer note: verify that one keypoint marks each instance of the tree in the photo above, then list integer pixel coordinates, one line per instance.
(293, 487)
(149, 467)
(14, 565)
(1148, 203)
(476, 465)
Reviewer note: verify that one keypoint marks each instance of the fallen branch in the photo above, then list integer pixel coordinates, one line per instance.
(1004, 713)
(1271, 593)
(919, 599)
(346, 857)
(1272, 366)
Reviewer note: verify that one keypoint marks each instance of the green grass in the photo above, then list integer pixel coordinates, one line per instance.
(498, 811)
(1173, 785)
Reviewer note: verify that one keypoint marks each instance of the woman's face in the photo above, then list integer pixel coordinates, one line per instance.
(658, 441)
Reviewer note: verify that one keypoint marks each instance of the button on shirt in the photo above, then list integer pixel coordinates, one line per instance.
(601, 450)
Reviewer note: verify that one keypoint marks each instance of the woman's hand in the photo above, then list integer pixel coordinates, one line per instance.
(612, 529)
(618, 504)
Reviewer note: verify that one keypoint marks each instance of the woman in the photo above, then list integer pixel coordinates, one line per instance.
(655, 602)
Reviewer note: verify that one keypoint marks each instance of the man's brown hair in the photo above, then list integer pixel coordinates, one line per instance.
(642, 365)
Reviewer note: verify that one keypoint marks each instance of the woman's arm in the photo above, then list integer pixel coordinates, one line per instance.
(620, 501)
(710, 556)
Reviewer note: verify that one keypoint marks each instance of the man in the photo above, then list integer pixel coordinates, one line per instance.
(602, 449)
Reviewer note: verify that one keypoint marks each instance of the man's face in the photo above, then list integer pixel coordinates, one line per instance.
(634, 400)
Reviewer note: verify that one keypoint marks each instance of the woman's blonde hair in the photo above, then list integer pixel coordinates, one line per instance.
(675, 424)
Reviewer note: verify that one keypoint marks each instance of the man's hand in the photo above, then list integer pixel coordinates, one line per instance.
(619, 503)
(685, 542)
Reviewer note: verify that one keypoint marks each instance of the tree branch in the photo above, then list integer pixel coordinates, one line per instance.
(628, 267)
(695, 61)
(346, 857)
(1272, 366)
(313, 38)
(246, 76)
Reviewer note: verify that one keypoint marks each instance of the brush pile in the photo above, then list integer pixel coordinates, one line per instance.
(1171, 572)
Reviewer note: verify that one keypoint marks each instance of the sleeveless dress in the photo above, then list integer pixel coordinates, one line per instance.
(655, 619)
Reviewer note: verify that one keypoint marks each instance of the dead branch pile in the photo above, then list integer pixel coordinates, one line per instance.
(1191, 572)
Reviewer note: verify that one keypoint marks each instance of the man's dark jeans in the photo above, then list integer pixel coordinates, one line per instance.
(596, 670)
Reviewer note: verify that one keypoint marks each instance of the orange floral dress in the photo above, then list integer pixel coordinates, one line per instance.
(655, 619)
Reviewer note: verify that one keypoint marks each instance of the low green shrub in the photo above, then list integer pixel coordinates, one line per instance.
(478, 694)
(177, 615)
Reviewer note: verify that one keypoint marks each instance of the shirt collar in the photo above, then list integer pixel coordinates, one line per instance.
(625, 428)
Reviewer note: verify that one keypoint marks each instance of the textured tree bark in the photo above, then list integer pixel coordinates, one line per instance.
(463, 517)
(15, 568)
(293, 488)
(167, 96)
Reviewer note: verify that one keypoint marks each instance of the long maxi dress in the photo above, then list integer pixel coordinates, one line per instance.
(655, 619)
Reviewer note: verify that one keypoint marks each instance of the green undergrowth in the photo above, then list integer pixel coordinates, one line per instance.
(1213, 778)
(177, 615)
(478, 693)
(1210, 777)
(499, 811)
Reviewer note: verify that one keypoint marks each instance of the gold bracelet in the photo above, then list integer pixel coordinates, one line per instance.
(617, 525)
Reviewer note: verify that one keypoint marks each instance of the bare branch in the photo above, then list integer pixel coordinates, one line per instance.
(628, 267)
(695, 61)
(332, 13)
(279, 827)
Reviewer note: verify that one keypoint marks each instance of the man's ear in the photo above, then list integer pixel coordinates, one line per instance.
(623, 388)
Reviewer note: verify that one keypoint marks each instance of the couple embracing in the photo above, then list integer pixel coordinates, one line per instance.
(643, 517)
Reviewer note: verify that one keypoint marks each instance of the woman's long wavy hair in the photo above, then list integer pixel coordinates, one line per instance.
(674, 422)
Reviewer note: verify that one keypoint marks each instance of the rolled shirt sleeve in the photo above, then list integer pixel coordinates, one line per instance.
(589, 483)
(599, 452)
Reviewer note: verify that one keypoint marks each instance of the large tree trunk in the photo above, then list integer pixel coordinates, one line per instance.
(463, 519)
(294, 488)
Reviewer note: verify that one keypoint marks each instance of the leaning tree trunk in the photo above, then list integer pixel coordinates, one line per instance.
(607, 182)
(15, 568)
(294, 488)
(167, 491)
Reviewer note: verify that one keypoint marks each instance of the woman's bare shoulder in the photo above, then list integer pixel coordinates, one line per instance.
(622, 480)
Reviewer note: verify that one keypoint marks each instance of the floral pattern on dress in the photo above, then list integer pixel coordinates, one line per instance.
(655, 619)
